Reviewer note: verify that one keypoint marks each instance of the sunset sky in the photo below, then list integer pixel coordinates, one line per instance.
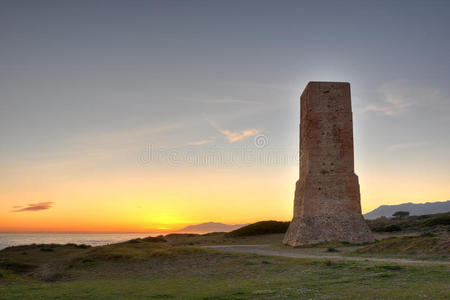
(152, 115)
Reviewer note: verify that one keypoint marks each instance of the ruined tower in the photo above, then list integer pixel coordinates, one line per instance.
(327, 200)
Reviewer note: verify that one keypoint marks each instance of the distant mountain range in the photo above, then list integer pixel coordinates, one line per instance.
(414, 209)
(210, 227)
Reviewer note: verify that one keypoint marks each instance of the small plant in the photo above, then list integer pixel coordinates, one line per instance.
(156, 239)
(331, 249)
(47, 249)
(438, 220)
(328, 263)
(385, 275)
(161, 296)
(54, 277)
(401, 214)
(427, 234)
(392, 228)
(88, 260)
(17, 267)
(391, 267)
(134, 241)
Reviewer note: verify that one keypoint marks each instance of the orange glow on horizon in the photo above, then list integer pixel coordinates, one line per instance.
(166, 201)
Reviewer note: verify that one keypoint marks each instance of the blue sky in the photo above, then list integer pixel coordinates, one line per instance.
(87, 86)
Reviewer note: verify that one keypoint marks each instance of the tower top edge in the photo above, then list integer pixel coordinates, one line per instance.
(315, 83)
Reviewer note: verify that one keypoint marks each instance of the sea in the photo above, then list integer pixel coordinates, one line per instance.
(93, 239)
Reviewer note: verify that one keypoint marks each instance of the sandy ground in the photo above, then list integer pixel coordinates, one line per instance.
(271, 250)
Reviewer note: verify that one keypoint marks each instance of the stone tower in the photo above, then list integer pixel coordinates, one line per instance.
(327, 201)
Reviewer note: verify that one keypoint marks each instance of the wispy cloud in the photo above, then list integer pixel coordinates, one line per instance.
(202, 142)
(395, 97)
(399, 96)
(125, 137)
(233, 137)
(229, 101)
(34, 207)
(388, 109)
(406, 146)
(263, 85)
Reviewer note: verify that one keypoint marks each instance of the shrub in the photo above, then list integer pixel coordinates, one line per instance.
(439, 220)
(47, 249)
(392, 228)
(263, 227)
(150, 239)
(54, 277)
(17, 267)
(428, 234)
(156, 239)
(391, 267)
(401, 214)
(332, 250)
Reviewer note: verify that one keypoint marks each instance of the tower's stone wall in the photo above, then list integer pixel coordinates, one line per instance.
(327, 199)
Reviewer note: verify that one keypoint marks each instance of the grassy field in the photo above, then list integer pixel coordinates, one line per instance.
(182, 270)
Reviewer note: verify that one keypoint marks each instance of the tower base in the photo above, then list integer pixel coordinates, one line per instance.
(318, 229)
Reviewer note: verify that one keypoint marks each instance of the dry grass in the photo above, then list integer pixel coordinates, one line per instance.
(177, 270)
(419, 246)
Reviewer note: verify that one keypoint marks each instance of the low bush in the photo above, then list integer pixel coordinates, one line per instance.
(438, 220)
(17, 267)
(331, 249)
(263, 227)
(392, 228)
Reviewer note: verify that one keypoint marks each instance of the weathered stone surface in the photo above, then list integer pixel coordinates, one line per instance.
(327, 200)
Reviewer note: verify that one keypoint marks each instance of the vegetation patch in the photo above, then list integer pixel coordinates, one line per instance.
(147, 270)
(331, 249)
(391, 267)
(130, 251)
(437, 220)
(18, 267)
(410, 245)
(150, 239)
(258, 228)
(47, 249)
(402, 222)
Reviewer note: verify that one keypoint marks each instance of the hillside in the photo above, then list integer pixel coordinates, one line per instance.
(259, 228)
(210, 227)
(414, 209)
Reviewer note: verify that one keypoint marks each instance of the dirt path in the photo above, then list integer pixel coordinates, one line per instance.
(273, 251)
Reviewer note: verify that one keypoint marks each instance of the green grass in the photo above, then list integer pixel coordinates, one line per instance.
(221, 238)
(280, 278)
(153, 270)
(422, 246)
